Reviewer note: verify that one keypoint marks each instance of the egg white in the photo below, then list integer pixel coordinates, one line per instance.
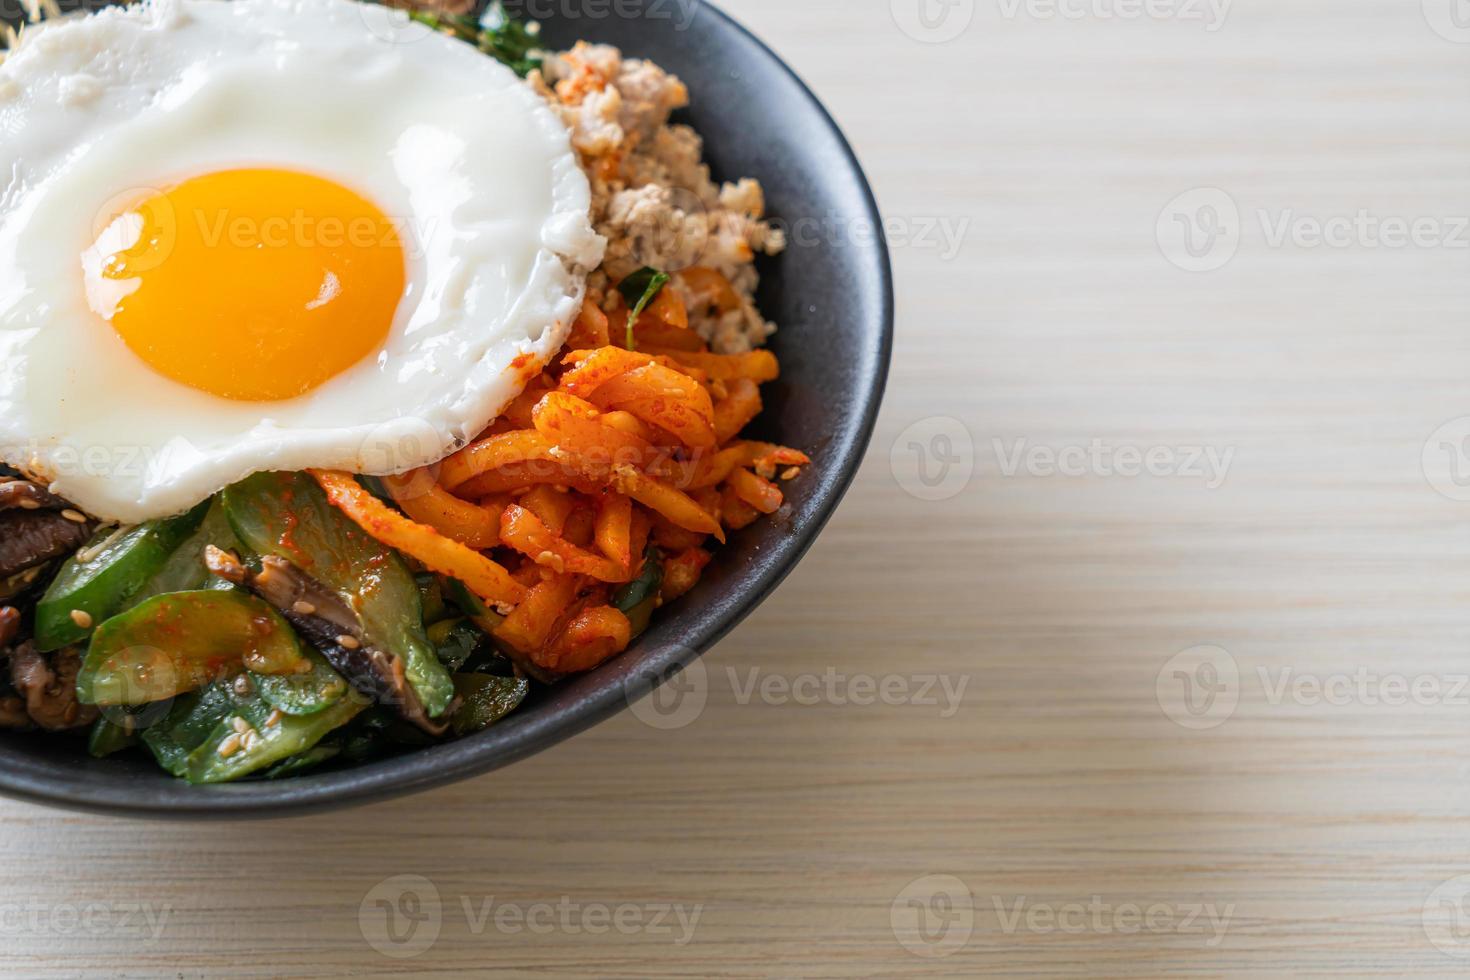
(102, 110)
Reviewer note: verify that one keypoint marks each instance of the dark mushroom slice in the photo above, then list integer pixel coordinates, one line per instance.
(25, 495)
(13, 715)
(12, 709)
(9, 626)
(29, 538)
(17, 585)
(325, 621)
(49, 687)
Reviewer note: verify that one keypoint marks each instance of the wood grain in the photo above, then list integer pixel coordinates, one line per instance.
(1088, 832)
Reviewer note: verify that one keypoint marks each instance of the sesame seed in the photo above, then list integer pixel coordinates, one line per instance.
(791, 473)
(82, 618)
(303, 609)
(240, 725)
(26, 503)
(348, 642)
(75, 516)
(504, 608)
(274, 719)
(230, 746)
(552, 561)
(249, 740)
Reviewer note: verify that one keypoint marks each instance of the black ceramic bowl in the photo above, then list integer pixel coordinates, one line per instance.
(832, 294)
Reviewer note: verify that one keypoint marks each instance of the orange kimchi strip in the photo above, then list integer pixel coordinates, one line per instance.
(522, 530)
(760, 493)
(530, 627)
(440, 554)
(551, 505)
(681, 573)
(570, 422)
(739, 407)
(593, 369)
(517, 448)
(759, 366)
(715, 469)
(590, 329)
(428, 503)
(592, 636)
(614, 529)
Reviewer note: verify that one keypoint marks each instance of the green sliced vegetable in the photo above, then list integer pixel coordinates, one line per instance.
(184, 571)
(190, 721)
(639, 289)
(637, 599)
(471, 605)
(512, 42)
(431, 594)
(119, 563)
(487, 699)
(378, 732)
(455, 640)
(303, 762)
(109, 738)
(176, 643)
(228, 754)
(288, 515)
(303, 694)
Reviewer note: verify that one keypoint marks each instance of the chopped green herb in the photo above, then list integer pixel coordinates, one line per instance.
(640, 289)
(514, 43)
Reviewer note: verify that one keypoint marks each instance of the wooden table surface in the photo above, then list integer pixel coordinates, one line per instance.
(1142, 644)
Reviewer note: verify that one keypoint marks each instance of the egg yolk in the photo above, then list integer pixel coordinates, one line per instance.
(258, 285)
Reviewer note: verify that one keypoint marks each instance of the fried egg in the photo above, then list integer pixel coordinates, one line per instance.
(270, 235)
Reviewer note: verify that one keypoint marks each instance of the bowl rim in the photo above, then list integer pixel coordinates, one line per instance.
(453, 762)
